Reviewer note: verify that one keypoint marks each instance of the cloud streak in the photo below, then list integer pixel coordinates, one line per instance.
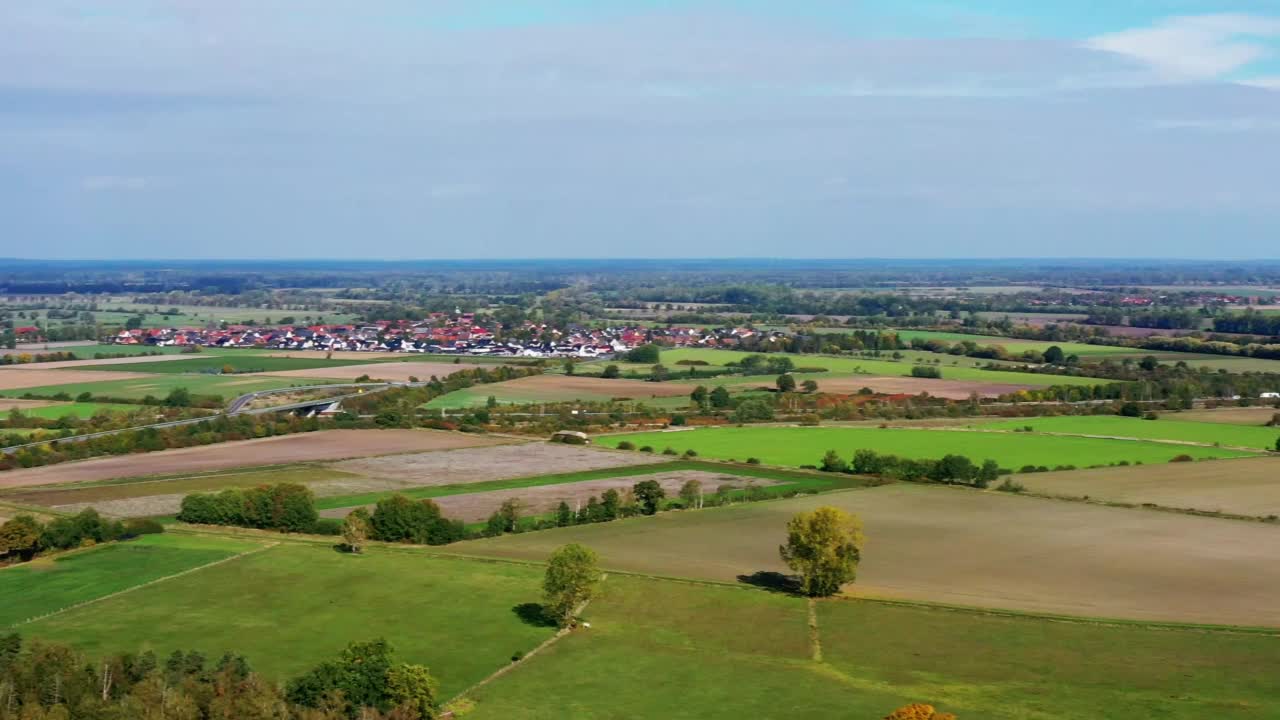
(1192, 48)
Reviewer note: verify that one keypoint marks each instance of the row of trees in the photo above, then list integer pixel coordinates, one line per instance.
(286, 507)
(23, 537)
(950, 469)
(40, 681)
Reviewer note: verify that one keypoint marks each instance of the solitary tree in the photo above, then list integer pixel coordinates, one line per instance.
(1054, 355)
(810, 386)
(571, 580)
(823, 547)
(699, 396)
(649, 493)
(611, 372)
(355, 530)
(691, 494)
(20, 537)
(720, 397)
(786, 383)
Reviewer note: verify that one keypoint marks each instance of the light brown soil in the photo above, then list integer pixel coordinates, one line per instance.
(11, 378)
(963, 547)
(7, 404)
(327, 445)
(475, 507)
(479, 465)
(1232, 416)
(950, 389)
(1245, 486)
(396, 371)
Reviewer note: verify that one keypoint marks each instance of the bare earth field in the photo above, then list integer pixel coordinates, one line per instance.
(951, 389)
(12, 378)
(1233, 416)
(970, 548)
(326, 445)
(475, 507)
(1246, 486)
(7, 404)
(482, 464)
(399, 371)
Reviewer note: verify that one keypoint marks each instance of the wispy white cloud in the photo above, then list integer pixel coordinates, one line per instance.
(1200, 47)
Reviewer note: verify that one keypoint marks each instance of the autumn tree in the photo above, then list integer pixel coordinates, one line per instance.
(823, 547)
(355, 530)
(918, 711)
(571, 579)
(20, 537)
(691, 494)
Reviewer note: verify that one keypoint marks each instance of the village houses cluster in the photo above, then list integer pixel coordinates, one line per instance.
(441, 333)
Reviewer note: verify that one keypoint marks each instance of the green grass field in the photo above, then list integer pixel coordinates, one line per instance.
(75, 409)
(806, 445)
(880, 366)
(1263, 438)
(45, 585)
(224, 386)
(238, 363)
(720, 652)
(1013, 345)
(293, 606)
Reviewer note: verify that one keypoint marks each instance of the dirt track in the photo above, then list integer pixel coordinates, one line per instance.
(12, 378)
(950, 389)
(327, 445)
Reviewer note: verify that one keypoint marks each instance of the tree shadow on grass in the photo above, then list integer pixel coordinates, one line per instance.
(772, 581)
(533, 614)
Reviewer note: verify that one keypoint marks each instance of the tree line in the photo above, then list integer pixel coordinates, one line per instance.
(24, 537)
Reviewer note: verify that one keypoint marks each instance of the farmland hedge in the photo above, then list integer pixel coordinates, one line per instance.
(287, 507)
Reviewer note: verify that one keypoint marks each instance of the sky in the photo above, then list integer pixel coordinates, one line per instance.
(622, 128)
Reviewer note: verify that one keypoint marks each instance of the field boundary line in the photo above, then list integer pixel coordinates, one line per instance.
(560, 633)
(815, 638)
(118, 593)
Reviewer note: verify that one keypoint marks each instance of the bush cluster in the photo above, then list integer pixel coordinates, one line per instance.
(950, 469)
(23, 537)
(287, 507)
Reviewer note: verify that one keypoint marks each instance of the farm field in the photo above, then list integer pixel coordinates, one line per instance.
(875, 657)
(49, 584)
(892, 385)
(558, 388)
(214, 364)
(1249, 487)
(305, 447)
(292, 606)
(393, 371)
(1231, 415)
(53, 411)
(1213, 362)
(1262, 438)
(137, 385)
(962, 547)
(1013, 345)
(199, 315)
(794, 446)
(863, 366)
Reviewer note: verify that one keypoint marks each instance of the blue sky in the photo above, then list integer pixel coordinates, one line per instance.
(424, 129)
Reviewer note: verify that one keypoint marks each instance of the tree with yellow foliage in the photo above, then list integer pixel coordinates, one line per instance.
(918, 711)
(823, 547)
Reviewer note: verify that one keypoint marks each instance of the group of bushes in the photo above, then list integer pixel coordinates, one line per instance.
(44, 681)
(23, 537)
(287, 507)
(950, 469)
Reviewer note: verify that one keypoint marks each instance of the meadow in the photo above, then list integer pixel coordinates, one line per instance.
(1168, 428)
(49, 584)
(1014, 346)
(216, 364)
(77, 409)
(687, 641)
(795, 446)
(291, 606)
(877, 366)
(564, 388)
(159, 385)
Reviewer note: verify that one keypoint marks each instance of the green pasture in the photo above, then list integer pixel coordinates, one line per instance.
(881, 366)
(200, 315)
(48, 584)
(795, 446)
(77, 409)
(1013, 345)
(477, 396)
(159, 385)
(1263, 438)
(293, 606)
(238, 364)
(710, 651)
(1230, 363)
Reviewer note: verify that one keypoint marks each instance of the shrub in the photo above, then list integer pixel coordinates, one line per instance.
(1182, 458)
(327, 526)
(647, 448)
(753, 461)
(926, 371)
(691, 453)
(134, 527)
(670, 451)
(626, 445)
(1012, 486)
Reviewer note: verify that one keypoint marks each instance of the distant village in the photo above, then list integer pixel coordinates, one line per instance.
(439, 333)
